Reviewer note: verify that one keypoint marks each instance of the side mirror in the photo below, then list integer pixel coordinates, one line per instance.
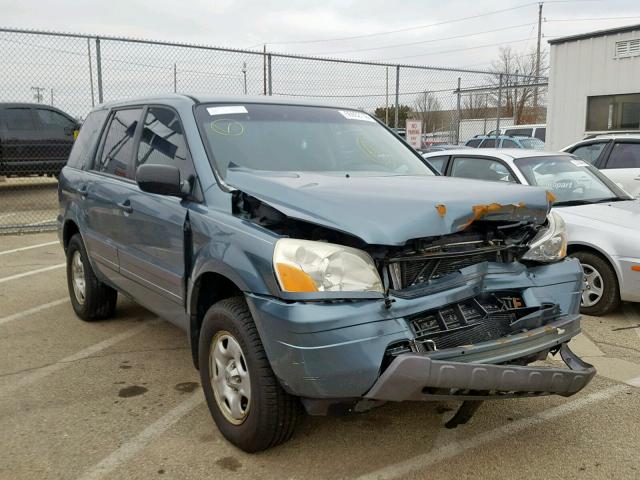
(160, 179)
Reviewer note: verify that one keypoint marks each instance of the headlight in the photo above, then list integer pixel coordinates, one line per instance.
(306, 266)
(550, 244)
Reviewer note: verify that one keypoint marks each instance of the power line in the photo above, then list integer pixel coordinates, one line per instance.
(418, 27)
(428, 41)
(407, 29)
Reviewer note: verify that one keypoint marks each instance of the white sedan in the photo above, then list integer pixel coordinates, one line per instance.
(603, 221)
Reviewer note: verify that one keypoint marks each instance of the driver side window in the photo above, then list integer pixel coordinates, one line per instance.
(481, 169)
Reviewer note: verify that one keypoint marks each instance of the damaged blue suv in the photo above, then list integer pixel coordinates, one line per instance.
(315, 261)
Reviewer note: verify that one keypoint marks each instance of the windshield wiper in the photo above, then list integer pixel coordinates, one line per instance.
(571, 203)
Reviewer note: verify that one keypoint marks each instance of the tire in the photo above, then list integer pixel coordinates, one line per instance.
(270, 414)
(99, 300)
(600, 278)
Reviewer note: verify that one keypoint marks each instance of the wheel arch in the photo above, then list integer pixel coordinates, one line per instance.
(585, 247)
(208, 288)
(69, 229)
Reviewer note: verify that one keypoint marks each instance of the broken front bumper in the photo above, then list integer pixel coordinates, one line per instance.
(413, 376)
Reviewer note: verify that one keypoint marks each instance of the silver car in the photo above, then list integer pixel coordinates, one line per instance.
(603, 221)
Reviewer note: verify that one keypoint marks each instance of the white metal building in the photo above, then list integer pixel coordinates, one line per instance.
(594, 85)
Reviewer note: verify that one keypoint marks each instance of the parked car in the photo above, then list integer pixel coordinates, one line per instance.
(617, 156)
(503, 141)
(538, 131)
(602, 220)
(314, 258)
(35, 139)
(440, 147)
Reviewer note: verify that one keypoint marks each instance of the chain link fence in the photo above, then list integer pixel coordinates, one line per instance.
(50, 82)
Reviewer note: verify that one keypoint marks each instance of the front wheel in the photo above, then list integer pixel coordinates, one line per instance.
(246, 401)
(600, 294)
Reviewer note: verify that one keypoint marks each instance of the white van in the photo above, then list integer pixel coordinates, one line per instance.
(538, 131)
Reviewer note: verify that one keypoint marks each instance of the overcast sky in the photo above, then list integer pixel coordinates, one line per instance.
(285, 25)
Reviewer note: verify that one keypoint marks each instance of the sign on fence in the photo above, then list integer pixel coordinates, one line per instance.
(414, 133)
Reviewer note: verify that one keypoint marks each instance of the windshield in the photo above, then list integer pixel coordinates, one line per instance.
(288, 138)
(571, 180)
(532, 143)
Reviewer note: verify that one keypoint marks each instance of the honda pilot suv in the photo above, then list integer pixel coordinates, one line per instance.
(315, 261)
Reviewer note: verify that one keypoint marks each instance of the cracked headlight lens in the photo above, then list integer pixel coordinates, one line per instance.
(550, 244)
(307, 266)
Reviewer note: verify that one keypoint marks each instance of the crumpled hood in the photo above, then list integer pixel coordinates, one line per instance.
(390, 210)
(625, 214)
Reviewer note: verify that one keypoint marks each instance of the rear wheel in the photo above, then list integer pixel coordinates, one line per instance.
(91, 299)
(601, 294)
(246, 401)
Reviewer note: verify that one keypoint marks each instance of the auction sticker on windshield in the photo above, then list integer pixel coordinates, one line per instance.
(352, 115)
(227, 110)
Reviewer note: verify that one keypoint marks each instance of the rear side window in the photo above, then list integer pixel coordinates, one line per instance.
(481, 169)
(488, 143)
(589, 153)
(162, 141)
(473, 143)
(438, 162)
(53, 120)
(17, 119)
(624, 155)
(81, 155)
(117, 146)
(541, 134)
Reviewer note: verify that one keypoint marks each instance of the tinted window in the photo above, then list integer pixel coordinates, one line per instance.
(438, 162)
(590, 152)
(488, 143)
(82, 152)
(473, 143)
(506, 143)
(51, 119)
(480, 169)
(117, 147)
(613, 112)
(624, 155)
(523, 132)
(19, 119)
(162, 141)
(541, 133)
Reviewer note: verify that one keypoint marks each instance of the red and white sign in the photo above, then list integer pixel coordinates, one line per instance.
(414, 133)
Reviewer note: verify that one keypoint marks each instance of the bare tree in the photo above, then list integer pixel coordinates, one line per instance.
(426, 107)
(518, 71)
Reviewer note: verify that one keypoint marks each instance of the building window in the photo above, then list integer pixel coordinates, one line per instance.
(613, 112)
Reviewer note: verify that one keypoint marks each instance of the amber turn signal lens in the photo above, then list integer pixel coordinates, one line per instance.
(295, 280)
(635, 268)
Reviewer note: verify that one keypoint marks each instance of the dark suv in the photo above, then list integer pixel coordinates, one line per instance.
(315, 260)
(35, 139)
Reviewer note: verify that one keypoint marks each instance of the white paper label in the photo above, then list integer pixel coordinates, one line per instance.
(227, 110)
(353, 115)
(579, 163)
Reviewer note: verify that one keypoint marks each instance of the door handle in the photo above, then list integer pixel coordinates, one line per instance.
(126, 206)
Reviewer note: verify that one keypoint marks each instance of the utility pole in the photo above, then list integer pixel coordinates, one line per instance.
(52, 97)
(175, 78)
(515, 98)
(38, 93)
(535, 91)
(244, 72)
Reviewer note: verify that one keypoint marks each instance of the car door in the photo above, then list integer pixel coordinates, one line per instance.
(57, 136)
(20, 142)
(623, 165)
(154, 256)
(480, 168)
(106, 192)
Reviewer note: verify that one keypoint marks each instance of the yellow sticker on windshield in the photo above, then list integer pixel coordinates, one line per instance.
(227, 127)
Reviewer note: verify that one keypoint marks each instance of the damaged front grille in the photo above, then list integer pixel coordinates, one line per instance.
(431, 264)
(475, 320)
